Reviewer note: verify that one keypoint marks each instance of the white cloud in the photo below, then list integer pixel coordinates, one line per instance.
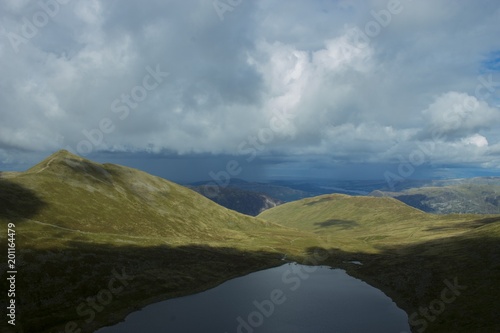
(455, 113)
(476, 140)
(344, 52)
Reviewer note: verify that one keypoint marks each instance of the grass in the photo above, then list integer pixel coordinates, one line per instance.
(76, 220)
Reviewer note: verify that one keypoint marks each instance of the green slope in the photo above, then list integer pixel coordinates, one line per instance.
(314, 213)
(76, 221)
(90, 197)
(365, 223)
(409, 255)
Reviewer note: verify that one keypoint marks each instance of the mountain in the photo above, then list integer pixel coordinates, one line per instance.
(85, 196)
(413, 256)
(479, 195)
(315, 187)
(95, 242)
(78, 223)
(245, 202)
(355, 221)
(465, 197)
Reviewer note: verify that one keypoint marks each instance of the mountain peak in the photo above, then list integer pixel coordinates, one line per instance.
(57, 158)
(62, 154)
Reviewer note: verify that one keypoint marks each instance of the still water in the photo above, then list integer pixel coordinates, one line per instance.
(288, 299)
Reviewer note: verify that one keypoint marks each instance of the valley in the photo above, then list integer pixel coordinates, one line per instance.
(98, 241)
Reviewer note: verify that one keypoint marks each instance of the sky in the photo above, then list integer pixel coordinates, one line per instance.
(263, 89)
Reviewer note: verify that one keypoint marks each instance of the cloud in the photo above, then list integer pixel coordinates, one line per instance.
(476, 140)
(339, 91)
(457, 114)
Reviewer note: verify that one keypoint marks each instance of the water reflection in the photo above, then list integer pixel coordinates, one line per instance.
(288, 299)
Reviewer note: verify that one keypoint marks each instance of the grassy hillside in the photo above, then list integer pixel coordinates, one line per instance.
(139, 204)
(360, 222)
(77, 221)
(409, 254)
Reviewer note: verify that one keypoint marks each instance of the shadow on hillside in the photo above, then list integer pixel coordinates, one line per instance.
(84, 167)
(17, 202)
(488, 220)
(468, 224)
(312, 203)
(343, 224)
(415, 276)
(417, 201)
(56, 281)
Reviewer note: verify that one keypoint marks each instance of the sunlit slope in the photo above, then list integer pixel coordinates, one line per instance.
(340, 210)
(409, 255)
(367, 223)
(77, 220)
(68, 193)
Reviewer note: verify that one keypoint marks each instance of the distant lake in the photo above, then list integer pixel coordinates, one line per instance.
(288, 299)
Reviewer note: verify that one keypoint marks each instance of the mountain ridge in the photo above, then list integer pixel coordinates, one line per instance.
(138, 195)
(463, 197)
(77, 220)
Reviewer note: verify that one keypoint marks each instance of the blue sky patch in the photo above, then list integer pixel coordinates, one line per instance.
(492, 62)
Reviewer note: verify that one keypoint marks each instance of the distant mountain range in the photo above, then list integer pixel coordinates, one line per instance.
(471, 196)
(282, 192)
(81, 224)
(479, 195)
(245, 202)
